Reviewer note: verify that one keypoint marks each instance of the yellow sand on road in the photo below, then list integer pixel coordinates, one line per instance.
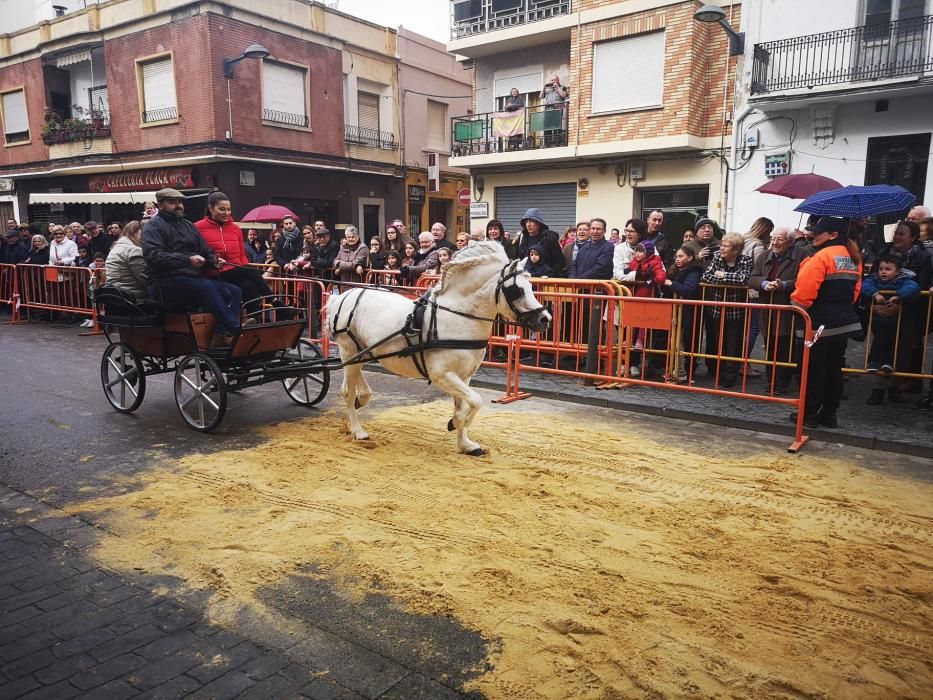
(608, 563)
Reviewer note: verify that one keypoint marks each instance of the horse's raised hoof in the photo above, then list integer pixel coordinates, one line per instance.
(450, 425)
(478, 452)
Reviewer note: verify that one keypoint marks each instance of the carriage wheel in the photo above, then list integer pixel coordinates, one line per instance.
(311, 388)
(200, 392)
(122, 377)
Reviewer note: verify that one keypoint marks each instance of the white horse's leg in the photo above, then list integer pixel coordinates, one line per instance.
(363, 391)
(352, 374)
(467, 402)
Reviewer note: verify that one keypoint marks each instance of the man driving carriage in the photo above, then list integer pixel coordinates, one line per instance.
(175, 253)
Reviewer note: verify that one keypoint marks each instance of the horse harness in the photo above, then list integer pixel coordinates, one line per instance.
(417, 339)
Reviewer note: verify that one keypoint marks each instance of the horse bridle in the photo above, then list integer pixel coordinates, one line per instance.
(513, 292)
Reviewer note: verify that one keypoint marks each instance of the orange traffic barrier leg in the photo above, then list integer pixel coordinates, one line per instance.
(512, 391)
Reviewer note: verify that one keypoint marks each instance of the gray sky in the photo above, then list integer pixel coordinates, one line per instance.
(428, 17)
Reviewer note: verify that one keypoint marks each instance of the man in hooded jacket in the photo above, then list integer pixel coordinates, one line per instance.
(534, 230)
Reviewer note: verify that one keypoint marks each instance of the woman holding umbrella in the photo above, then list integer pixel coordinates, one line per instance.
(828, 286)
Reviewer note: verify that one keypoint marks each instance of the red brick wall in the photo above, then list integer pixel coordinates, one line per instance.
(228, 39)
(694, 75)
(28, 74)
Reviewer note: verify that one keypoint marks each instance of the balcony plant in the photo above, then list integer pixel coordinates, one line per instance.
(86, 124)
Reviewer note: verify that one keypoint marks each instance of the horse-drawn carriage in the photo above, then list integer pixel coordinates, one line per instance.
(153, 340)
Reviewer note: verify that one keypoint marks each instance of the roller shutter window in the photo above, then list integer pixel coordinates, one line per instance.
(15, 118)
(558, 205)
(98, 99)
(159, 91)
(528, 84)
(437, 122)
(284, 100)
(628, 73)
(368, 111)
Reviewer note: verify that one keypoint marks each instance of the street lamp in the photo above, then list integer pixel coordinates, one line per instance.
(253, 51)
(714, 13)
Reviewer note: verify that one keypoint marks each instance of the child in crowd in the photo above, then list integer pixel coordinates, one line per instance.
(83, 259)
(650, 275)
(536, 267)
(889, 276)
(443, 257)
(393, 261)
(683, 281)
(409, 258)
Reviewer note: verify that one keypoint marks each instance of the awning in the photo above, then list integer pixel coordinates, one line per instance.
(72, 58)
(92, 198)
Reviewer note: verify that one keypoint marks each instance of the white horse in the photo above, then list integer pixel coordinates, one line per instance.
(459, 311)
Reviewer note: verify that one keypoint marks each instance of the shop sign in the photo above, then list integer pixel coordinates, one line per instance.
(416, 193)
(142, 180)
(479, 210)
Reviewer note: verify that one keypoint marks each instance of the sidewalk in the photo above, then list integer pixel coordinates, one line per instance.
(71, 627)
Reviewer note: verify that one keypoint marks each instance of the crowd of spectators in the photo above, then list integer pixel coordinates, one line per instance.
(760, 265)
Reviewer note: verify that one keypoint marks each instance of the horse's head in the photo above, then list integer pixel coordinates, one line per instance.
(520, 304)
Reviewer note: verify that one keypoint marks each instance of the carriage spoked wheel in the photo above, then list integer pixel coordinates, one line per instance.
(123, 377)
(200, 392)
(311, 388)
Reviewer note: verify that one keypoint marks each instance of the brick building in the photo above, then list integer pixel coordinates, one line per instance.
(104, 104)
(645, 123)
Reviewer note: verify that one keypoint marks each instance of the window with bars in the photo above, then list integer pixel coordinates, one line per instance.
(15, 116)
(284, 94)
(437, 126)
(157, 78)
(98, 100)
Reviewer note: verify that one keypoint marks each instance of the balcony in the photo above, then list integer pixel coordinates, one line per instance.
(469, 17)
(529, 129)
(844, 58)
(362, 136)
(57, 130)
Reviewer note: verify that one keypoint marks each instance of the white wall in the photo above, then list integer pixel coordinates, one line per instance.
(770, 20)
(843, 160)
(87, 74)
(19, 14)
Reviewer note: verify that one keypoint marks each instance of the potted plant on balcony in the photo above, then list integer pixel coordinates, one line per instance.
(52, 128)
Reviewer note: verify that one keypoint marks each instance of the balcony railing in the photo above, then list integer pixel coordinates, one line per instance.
(469, 17)
(160, 115)
(289, 118)
(95, 126)
(528, 129)
(363, 136)
(870, 52)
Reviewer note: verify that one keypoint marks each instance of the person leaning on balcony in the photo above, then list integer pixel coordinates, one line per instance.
(828, 286)
(534, 230)
(62, 251)
(774, 276)
(515, 102)
(553, 93)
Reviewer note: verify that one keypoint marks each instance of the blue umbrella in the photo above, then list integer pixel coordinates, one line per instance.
(857, 201)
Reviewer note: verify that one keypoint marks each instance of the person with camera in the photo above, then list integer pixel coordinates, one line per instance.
(554, 94)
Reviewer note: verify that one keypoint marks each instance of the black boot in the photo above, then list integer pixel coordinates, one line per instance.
(877, 397)
(828, 419)
(895, 396)
(810, 419)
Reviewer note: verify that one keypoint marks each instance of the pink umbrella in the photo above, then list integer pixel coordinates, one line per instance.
(269, 213)
(799, 186)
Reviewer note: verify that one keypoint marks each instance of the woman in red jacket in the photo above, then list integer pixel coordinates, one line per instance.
(226, 239)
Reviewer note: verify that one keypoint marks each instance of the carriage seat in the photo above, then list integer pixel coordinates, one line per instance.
(117, 307)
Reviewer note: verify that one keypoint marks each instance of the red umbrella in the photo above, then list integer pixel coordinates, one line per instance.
(269, 214)
(799, 186)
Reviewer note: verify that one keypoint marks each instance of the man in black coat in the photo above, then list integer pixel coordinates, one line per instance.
(323, 253)
(15, 251)
(175, 254)
(534, 230)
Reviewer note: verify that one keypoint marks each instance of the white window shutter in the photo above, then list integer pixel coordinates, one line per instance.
(159, 86)
(15, 119)
(283, 90)
(528, 83)
(437, 125)
(99, 100)
(628, 73)
(369, 110)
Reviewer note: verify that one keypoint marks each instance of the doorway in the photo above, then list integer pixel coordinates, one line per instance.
(898, 160)
(370, 222)
(681, 208)
(439, 210)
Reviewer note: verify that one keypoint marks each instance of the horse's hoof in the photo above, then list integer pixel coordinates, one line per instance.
(478, 452)
(450, 425)
(356, 404)
(361, 436)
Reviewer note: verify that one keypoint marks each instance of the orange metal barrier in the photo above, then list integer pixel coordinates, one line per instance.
(65, 289)
(9, 293)
(387, 278)
(311, 294)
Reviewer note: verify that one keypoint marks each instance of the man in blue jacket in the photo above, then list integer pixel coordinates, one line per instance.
(594, 260)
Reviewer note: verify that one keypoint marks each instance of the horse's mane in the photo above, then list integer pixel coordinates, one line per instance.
(476, 254)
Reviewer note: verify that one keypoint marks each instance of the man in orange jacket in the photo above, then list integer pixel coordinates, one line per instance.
(828, 287)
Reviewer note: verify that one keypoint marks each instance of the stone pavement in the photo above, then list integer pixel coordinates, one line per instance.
(71, 627)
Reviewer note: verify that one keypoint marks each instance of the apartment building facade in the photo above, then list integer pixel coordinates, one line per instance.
(433, 86)
(839, 88)
(645, 123)
(121, 98)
